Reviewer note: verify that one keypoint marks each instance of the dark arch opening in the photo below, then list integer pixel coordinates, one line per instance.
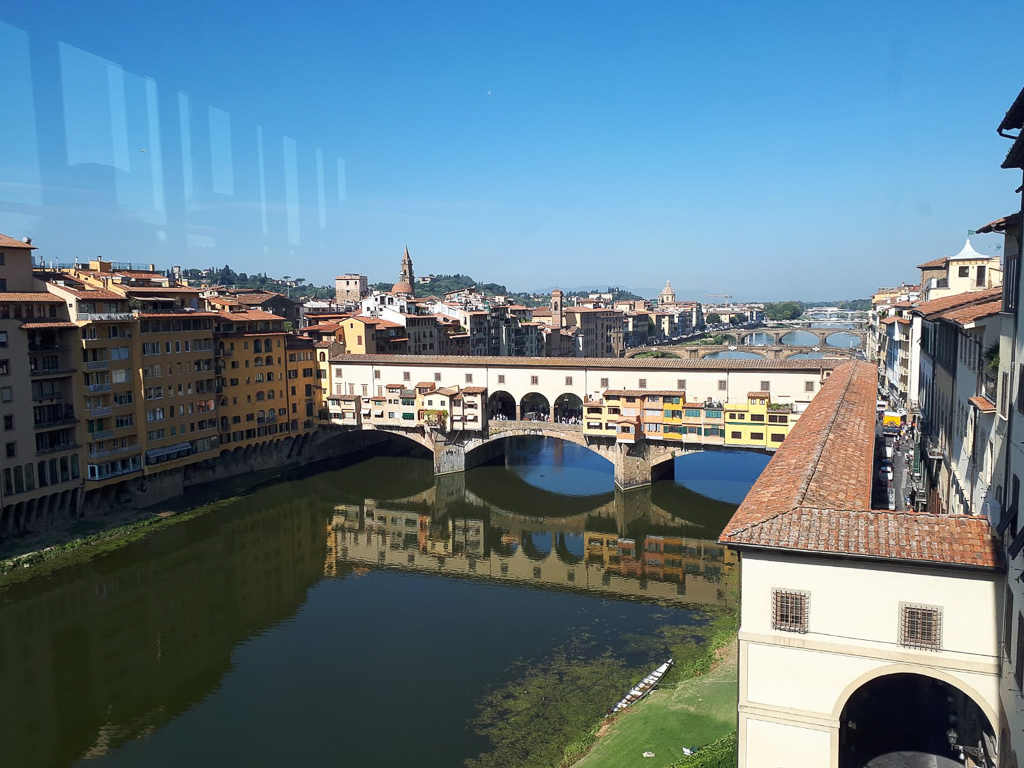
(839, 332)
(568, 409)
(910, 717)
(534, 407)
(501, 405)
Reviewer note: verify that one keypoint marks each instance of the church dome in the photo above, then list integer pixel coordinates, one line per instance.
(402, 287)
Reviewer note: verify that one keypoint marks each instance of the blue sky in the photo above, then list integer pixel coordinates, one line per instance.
(772, 151)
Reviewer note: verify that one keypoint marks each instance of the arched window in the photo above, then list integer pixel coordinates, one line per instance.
(269, 360)
(323, 357)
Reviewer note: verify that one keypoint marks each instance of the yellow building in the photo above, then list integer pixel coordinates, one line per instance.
(178, 406)
(251, 377)
(109, 394)
(758, 424)
(305, 399)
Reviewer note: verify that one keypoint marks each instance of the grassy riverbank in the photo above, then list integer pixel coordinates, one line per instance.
(552, 712)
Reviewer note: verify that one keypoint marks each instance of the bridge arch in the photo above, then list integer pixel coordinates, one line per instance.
(499, 431)
(825, 338)
(501, 405)
(534, 407)
(568, 409)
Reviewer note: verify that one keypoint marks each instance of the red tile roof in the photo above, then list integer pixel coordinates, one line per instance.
(1000, 225)
(815, 494)
(972, 312)
(933, 264)
(9, 242)
(31, 325)
(934, 306)
(983, 404)
(47, 298)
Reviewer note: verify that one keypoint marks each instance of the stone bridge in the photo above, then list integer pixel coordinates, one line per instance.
(700, 351)
(635, 464)
(779, 334)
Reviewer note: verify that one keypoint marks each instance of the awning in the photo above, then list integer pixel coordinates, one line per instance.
(168, 449)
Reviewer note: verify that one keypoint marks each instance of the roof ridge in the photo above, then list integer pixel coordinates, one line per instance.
(813, 465)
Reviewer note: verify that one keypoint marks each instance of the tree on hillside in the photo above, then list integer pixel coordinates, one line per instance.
(783, 310)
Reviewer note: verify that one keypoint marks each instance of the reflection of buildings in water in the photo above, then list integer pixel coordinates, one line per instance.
(659, 567)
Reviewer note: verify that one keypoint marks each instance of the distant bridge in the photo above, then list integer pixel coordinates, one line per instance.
(778, 334)
(700, 351)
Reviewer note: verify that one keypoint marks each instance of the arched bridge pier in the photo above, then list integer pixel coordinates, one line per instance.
(635, 464)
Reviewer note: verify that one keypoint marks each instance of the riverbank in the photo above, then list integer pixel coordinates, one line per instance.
(35, 556)
(698, 709)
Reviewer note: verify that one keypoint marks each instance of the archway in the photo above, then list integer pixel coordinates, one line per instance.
(568, 409)
(534, 407)
(501, 405)
(913, 718)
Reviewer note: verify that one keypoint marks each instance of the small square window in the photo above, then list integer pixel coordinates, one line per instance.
(3, 338)
(642, 384)
(376, 374)
(604, 383)
(534, 380)
(766, 386)
(6, 394)
(11, 449)
(437, 377)
(964, 271)
(920, 626)
(568, 381)
(722, 385)
(680, 383)
(808, 386)
(469, 378)
(8, 422)
(501, 378)
(790, 610)
(405, 376)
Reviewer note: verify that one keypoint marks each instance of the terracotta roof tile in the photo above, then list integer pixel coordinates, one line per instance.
(42, 296)
(815, 494)
(972, 312)
(933, 264)
(983, 404)
(927, 308)
(636, 363)
(9, 242)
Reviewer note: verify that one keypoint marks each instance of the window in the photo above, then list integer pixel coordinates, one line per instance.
(1008, 621)
(11, 450)
(8, 422)
(757, 435)
(5, 395)
(964, 271)
(501, 378)
(680, 383)
(778, 437)
(437, 377)
(120, 376)
(3, 338)
(604, 383)
(405, 376)
(568, 381)
(469, 378)
(722, 385)
(920, 626)
(808, 386)
(735, 435)
(790, 610)
(534, 380)
(1018, 666)
(642, 384)
(766, 386)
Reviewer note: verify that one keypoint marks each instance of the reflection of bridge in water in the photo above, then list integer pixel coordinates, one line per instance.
(624, 546)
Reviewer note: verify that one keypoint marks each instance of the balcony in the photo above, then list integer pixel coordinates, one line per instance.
(44, 372)
(93, 454)
(99, 388)
(113, 473)
(44, 346)
(55, 423)
(267, 419)
(40, 397)
(988, 388)
(97, 365)
(101, 434)
(103, 410)
(105, 317)
(57, 448)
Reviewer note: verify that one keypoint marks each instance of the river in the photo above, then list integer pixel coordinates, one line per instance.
(360, 616)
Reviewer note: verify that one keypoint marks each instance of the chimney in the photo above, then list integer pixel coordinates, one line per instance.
(556, 308)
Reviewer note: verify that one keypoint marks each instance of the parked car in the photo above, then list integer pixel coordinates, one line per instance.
(885, 473)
